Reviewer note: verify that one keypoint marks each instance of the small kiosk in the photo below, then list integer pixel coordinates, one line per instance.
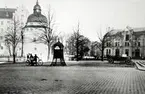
(58, 55)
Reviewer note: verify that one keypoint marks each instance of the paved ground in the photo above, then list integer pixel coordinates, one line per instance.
(140, 64)
(21, 79)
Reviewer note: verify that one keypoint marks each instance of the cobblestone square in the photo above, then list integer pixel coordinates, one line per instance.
(21, 79)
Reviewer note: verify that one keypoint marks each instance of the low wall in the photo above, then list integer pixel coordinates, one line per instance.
(9, 59)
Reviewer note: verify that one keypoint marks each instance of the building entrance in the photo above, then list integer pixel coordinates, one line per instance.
(137, 53)
(117, 52)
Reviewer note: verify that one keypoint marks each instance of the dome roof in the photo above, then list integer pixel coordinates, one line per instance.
(37, 18)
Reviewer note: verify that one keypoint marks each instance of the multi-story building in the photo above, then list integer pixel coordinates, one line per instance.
(6, 16)
(6, 24)
(130, 41)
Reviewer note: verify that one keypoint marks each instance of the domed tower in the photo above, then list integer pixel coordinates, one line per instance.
(36, 25)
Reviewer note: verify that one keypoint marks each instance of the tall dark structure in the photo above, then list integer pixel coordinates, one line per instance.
(58, 55)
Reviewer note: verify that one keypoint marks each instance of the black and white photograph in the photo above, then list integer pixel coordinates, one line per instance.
(72, 46)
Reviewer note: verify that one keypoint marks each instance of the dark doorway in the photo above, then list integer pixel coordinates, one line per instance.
(127, 52)
(117, 52)
(137, 53)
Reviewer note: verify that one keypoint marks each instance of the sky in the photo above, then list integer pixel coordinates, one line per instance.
(94, 16)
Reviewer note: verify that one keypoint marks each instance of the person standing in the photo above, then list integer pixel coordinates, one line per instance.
(35, 58)
(31, 59)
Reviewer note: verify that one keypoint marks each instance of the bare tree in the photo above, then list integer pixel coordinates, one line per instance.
(77, 36)
(103, 39)
(77, 44)
(95, 51)
(48, 36)
(13, 37)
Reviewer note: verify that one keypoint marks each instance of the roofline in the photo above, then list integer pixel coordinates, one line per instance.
(8, 9)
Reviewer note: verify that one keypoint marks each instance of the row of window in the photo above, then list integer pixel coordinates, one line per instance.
(2, 22)
(134, 44)
(127, 38)
(117, 52)
(135, 53)
(1, 30)
(117, 44)
(108, 51)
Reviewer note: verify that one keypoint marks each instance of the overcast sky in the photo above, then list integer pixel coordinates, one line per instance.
(93, 15)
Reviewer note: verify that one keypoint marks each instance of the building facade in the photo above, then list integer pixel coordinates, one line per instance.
(6, 16)
(6, 24)
(130, 41)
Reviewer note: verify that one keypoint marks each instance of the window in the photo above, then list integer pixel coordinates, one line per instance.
(108, 51)
(108, 44)
(22, 23)
(2, 22)
(8, 28)
(138, 43)
(127, 52)
(2, 47)
(117, 44)
(127, 37)
(117, 52)
(1, 37)
(134, 44)
(22, 15)
(126, 43)
(35, 48)
(8, 21)
(1, 29)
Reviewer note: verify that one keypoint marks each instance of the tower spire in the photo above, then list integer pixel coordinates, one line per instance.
(37, 2)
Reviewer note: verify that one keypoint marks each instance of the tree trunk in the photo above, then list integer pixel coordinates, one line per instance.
(22, 50)
(102, 51)
(103, 46)
(22, 37)
(48, 49)
(102, 57)
(14, 56)
(9, 50)
(77, 47)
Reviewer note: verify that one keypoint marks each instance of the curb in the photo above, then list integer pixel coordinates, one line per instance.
(140, 66)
